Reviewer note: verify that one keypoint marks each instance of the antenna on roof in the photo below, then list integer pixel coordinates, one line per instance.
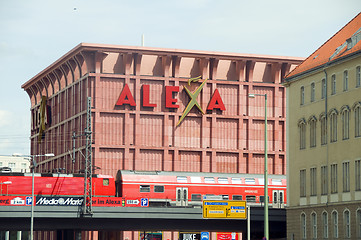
(142, 40)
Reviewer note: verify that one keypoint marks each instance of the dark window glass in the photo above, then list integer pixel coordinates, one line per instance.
(261, 199)
(144, 188)
(106, 182)
(158, 188)
(237, 197)
(196, 197)
(251, 198)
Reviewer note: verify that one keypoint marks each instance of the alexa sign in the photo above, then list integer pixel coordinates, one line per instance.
(215, 102)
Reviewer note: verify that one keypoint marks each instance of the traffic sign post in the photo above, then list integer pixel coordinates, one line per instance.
(224, 209)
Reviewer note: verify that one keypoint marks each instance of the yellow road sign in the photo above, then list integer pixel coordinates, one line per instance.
(224, 209)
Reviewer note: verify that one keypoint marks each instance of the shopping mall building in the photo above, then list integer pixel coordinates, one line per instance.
(139, 114)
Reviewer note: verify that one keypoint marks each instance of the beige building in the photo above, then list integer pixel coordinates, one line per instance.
(324, 140)
(14, 164)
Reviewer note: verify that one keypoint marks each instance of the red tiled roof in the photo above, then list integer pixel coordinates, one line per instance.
(328, 51)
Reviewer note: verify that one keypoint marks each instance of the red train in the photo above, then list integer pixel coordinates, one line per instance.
(190, 188)
(53, 184)
(183, 189)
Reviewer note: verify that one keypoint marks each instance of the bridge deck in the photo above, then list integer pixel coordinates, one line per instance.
(133, 218)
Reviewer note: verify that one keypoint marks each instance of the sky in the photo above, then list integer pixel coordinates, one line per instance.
(35, 33)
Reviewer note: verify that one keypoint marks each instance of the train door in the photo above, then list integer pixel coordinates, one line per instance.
(278, 198)
(181, 196)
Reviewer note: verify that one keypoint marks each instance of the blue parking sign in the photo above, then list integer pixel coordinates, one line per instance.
(144, 202)
(204, 235)
(28, 200)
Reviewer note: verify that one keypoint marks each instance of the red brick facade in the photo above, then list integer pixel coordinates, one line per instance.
(146, 136)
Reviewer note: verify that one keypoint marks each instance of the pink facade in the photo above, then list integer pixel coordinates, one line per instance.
(146, 136)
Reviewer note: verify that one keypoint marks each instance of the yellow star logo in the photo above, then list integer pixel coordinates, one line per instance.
(193, 97)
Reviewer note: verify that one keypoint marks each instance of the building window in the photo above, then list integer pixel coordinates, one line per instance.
(312, 121)
(358, 77)
(333, 125)
(312, 92)
(302, 130)
(346, 176)
(346, 220)
(314, 225)
(357, 109)
(335, 224)
(323, 89)
(11, 165)
(23, 165)
(324, 180)
(303, 226)
(334, 178)
(358, 216)
(323, 120)
(345, 80)
(358, 175)
(313, 178)
(303, 183)
(325, 224)
(333, 84)
(302, 95)
(345, 118)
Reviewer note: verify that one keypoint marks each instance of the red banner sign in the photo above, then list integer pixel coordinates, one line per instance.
(15, 201)
(73, 201)
(227, 236)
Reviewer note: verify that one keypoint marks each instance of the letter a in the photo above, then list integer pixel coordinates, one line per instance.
(216, 102)
(126, 97)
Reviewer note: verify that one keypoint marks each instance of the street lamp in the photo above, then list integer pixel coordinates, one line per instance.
(266, 232)
(32, 189)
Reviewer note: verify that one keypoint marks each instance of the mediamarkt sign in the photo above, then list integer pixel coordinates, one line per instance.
(215, 102)
(59, 201)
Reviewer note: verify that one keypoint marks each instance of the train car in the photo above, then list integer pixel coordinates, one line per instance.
(189, 188)
(54, 184)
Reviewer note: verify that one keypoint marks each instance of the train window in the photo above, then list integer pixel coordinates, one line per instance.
(250, 181)
(196, 179)
(250, 198)
(276, 182)
(261, 199)
(222, 180)
(196, 197)
(261, 181)
(144, 188)
(225, 197)
(275, 197)
(158, 188)
(281, 197)
(236, 180)
(212, 197)
(106, 182)
(178, 194)
(209, 180)
(181, 179)
(237, 197)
